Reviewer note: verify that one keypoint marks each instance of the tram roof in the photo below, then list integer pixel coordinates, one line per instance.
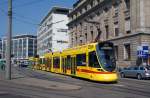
(80, 47)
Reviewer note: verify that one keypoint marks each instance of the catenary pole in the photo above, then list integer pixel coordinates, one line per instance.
(8, 48)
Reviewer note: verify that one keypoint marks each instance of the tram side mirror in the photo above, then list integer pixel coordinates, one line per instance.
(113, 59)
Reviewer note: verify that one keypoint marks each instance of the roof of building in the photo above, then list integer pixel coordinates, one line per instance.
(76, 3)
(58, 10)
(21, 36)
(25, 35)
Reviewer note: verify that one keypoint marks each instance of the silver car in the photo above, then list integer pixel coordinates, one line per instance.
(139, 72)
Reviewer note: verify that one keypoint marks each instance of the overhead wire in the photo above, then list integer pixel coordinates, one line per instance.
(25, 21)
(20, 19)
(22, 16)
(17, 16)
(27, 3)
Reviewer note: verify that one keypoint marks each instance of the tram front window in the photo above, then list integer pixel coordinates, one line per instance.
(93, 62)
(106, 56)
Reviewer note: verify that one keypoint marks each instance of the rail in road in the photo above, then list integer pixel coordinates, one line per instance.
(128, 86)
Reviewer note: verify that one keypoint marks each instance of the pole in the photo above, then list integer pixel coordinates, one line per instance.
(9, 34)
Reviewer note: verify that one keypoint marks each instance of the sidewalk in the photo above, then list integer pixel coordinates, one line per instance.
(20, 79)
(2, 75)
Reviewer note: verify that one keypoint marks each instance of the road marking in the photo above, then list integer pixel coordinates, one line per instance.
(119, 85)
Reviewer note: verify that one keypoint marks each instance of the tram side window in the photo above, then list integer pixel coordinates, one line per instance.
(47, 62)
(44, 61)
(81, 60)
(68, 63)
(62, 61)
(40, 61)
(93, 62)
(56, 62)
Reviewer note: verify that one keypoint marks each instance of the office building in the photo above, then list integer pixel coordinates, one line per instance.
(52, 33)
(23, 47)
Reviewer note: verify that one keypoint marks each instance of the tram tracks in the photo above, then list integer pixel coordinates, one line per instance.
(124, 89)
(32, 91)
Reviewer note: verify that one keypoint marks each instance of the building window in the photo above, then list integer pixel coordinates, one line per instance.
(81, 42)
(127, 52)
(116, 31)
(92, 35)
(62, 30)
(86, 37)
(20, 48)
(116, 9)
(24, 48)
(127, 2)
(76, 40)
(107, 31)
(72, 41)
(116, 52)
(127, 26)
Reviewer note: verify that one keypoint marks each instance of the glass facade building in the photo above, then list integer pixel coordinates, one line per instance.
(23, 47)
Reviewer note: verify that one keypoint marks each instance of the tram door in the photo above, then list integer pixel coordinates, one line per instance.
(64, 64)
(49, 61)
(73, 65)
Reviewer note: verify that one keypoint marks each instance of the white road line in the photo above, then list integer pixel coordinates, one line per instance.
(119, 85)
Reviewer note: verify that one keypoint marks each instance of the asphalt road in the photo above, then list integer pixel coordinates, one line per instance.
(125, 88)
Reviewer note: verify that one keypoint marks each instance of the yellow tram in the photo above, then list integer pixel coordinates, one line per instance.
(94, 61)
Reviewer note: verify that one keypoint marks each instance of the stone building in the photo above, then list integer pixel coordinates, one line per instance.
(124, 22)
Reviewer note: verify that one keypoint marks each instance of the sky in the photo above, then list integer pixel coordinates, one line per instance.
(27, 14)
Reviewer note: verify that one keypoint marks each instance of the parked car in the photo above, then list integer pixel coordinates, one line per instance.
(139, 72)
(23, 64)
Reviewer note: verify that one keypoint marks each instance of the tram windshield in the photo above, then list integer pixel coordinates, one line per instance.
(105, 52)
